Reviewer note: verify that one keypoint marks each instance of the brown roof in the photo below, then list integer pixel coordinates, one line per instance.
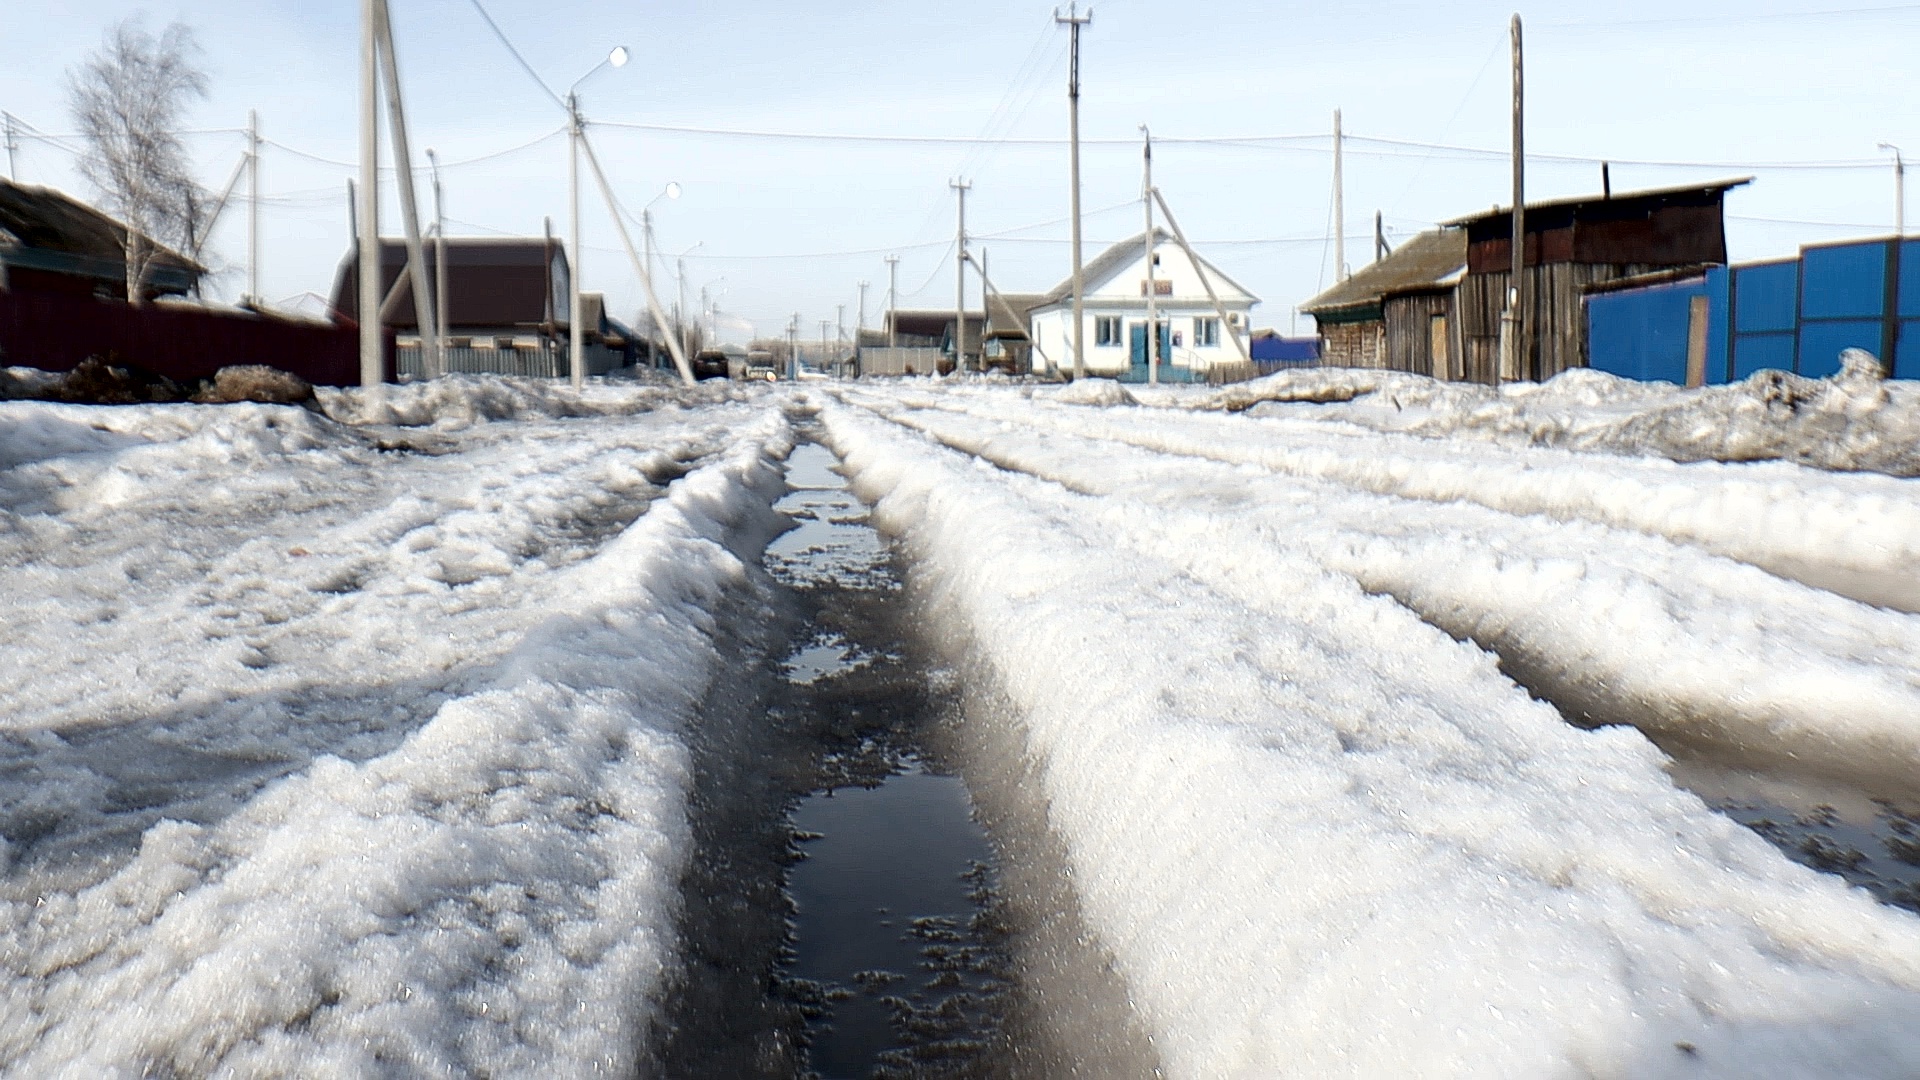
(77, 238)
(1555, 208)
(1422, 262)
(492, 282)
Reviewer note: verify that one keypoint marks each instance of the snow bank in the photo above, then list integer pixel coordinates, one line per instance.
(486, 888)
(1612, 627)
(1857, 535)
(1087, 392)
(1853, 420)
(1321, 837)
(454, 402)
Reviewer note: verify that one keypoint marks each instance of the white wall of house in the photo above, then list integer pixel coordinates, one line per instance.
(1199, 339)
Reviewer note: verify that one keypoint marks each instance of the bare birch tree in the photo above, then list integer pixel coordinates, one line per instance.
(129, 98)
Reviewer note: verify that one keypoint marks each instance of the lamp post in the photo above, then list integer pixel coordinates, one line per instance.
(1899, 190)
(441, 321)
(576, 344)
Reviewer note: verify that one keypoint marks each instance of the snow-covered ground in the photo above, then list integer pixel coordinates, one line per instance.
(1321, 830)
(347, 750)
(361, 743)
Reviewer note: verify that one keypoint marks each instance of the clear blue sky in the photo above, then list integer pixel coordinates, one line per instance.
(787, 225)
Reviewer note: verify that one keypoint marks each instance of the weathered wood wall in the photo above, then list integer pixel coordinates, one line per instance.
(1353, 344)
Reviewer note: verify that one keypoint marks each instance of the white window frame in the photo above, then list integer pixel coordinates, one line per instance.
(1206, 332)
(1107, 331)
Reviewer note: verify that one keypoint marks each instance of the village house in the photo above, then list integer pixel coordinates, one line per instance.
(1434, 306)
(1114, 305)
(507, 306)
(63, 298)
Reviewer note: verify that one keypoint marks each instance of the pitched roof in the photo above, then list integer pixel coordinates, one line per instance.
(1119, 257)
(1424, 261)
(87, 241)
(492, 281)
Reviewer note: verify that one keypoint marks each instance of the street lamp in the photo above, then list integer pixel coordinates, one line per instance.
(576, 359)
(439, 265)
(1899, 190)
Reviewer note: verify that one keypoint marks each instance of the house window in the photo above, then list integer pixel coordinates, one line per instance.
(1206, 333)
(1106, 330)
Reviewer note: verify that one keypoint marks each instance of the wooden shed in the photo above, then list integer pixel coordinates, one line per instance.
(1398, 312)
(1572, 244)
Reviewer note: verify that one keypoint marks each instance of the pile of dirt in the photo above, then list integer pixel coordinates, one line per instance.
(104, 381)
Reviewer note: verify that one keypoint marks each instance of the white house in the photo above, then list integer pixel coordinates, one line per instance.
(1115, 308)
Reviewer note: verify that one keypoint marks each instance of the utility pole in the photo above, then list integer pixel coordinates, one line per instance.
(893, 301)
(372, 366)
(576, 333)
(1379, 237)
(960, 188)
(1899, 190)
(825, 354)
(440, 287)
(253, 207)
(862, 314)
(409, 207)
(1153, 280)
(1073, 21)
(1339, 203)
(1514, 326)
(839, 331)
(793, 348)
(13, 147)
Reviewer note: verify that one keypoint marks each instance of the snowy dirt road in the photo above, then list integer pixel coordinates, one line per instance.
(433, 736)
(1325, 834)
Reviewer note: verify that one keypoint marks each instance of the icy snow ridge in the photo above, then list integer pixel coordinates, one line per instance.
(1322, 838)
(489, 889)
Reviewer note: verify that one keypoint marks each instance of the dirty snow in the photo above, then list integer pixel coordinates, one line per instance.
(1322, 836)
(342, 750)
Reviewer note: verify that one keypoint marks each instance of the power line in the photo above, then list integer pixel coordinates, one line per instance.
(524, 66)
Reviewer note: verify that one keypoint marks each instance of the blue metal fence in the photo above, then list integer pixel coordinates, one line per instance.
(1792, 315)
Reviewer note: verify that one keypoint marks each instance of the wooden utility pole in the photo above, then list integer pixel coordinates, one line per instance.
(1514, 352)
(1339, 204)
(960, 188)
(1073, 21)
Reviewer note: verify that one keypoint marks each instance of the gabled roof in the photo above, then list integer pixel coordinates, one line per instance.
(1425, 261)
(1122, 255)
(49, 229)
(492, 281)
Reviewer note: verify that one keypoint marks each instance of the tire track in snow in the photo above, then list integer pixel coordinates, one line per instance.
(1323, 839)
(1853, 534)
(1613, 627)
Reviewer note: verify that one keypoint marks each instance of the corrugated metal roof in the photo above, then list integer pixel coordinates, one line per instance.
(1424, 261)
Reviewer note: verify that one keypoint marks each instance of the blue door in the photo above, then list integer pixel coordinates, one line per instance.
(1138, 371)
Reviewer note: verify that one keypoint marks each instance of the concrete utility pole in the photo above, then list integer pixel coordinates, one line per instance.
(825, 353)
(372, 366)
(793, 348)
(960, 188)
(1379, 237)
(1514, 326)
(839, 331)
(1073, 21)
(576, 333)
(440, 287)
(1899, 190)
(680, 308)
(1219, 309)
(893, 301)
(1339, 203)
(861, 324)
(1153, 281)
(253, 207)
(409, 207)
(13, 147)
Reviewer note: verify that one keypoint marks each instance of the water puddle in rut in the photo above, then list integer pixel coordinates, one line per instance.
(898, 957)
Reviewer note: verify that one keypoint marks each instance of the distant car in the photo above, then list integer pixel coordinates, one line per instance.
(710, 364)
(762, 371)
